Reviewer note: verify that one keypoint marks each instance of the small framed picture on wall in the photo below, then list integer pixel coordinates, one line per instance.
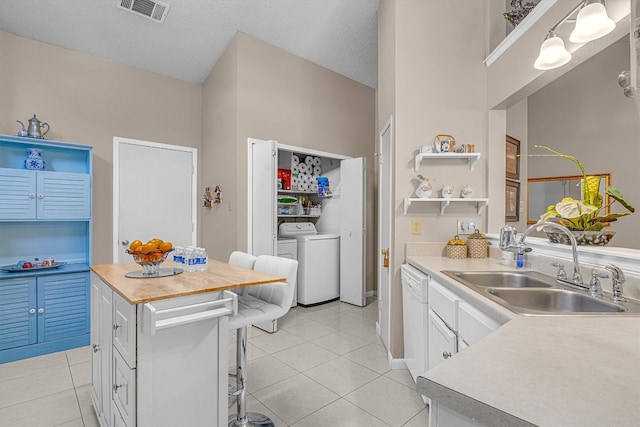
(513, 158)
(512, 201)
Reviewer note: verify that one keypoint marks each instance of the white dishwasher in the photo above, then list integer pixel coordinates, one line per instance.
(415, 314)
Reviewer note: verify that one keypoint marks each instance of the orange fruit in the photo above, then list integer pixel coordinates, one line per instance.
(165, 246)
(155, 256)
(134, 245)
(148, 247)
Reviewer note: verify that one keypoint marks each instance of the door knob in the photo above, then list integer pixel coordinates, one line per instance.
(446, 354)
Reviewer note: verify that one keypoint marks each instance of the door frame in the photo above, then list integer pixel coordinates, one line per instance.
(117, 141)
(388, 127)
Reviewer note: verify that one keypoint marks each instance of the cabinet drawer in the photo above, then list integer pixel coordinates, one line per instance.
(124, 329)
(444, 303)
(474, 324)
(124, 390)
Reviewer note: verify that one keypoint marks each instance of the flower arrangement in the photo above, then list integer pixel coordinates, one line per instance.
(585, 214)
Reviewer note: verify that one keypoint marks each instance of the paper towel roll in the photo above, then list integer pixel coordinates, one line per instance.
(317, 170)
(309, 160)
(316, 161)
(303, 168)
(314, 186)
(295, 160)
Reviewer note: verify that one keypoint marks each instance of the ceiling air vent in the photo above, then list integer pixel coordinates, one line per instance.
(151, 9)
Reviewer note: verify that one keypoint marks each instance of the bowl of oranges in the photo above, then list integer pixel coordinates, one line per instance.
(150, 255)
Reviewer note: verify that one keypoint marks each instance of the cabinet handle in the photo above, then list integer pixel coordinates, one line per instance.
(116, 326)
(446, 354)
(41, 310)
(125, 242)
(96, 348)
(40, 196)
(32, 311)
(32, 196)
(116, 387)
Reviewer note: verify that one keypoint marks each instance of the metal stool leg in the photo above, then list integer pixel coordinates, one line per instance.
(244, 418)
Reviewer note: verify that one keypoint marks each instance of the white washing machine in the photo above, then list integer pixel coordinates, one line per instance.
(288, 248)
(318, 262)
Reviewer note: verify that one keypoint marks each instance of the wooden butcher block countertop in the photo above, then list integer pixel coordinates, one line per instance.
(219, 276)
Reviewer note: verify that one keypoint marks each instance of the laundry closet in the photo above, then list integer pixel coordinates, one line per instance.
(311, 204)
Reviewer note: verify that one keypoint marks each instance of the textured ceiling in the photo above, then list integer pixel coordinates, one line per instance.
(340, 35)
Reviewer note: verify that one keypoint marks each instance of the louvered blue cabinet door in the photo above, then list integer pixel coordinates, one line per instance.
(63, 306)
(18, 312)
(63, 195)
(17, 194)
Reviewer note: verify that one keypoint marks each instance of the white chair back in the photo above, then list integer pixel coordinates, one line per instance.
(245, 260)
(242, 259)
(280, 294)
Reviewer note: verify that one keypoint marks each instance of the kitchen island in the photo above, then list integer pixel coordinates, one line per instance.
(537, 370)
(160, 344)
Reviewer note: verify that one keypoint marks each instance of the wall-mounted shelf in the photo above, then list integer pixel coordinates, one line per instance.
(480, 203)
(472, 157)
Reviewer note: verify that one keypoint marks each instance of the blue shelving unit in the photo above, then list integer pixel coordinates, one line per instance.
(44, 214)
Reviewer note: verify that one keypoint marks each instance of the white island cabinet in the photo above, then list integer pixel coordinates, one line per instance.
(162, 363)
(160, 344)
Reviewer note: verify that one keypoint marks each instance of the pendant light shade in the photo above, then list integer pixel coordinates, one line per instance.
(592, 23)
(553, 54)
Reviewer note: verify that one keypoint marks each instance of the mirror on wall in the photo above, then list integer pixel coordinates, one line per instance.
(542, 192)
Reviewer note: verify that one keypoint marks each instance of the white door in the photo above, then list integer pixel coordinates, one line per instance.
(262, 197)
(385, 207)
(154, 194)
(353, 231)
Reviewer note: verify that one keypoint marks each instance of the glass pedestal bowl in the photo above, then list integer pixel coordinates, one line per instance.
(150, 261)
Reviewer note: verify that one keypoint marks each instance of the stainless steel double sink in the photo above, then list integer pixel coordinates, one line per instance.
(533, 293)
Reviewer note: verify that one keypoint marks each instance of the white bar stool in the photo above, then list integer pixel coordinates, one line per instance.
(258, 304)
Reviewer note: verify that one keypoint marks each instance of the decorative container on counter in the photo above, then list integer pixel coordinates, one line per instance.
(478, 245)
(34, 160)
(456, 248)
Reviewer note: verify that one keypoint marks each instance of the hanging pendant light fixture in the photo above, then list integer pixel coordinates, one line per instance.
(553, 54)
(592, 23)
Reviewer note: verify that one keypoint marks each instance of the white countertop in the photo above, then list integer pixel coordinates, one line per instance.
(538, 370)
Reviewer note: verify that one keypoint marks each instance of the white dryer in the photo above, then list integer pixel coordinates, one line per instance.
(318, 262)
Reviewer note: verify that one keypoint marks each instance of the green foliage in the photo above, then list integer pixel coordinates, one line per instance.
(584, 215)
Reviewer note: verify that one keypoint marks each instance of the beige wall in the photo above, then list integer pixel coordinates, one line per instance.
(294, 101)
(585, 114)
(88, 100)
(439, 88)
(218, 155)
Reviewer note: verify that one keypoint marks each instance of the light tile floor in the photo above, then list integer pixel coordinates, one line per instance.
(324, 367)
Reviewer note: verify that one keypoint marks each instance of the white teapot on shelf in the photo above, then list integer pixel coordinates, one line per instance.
(424, 188)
